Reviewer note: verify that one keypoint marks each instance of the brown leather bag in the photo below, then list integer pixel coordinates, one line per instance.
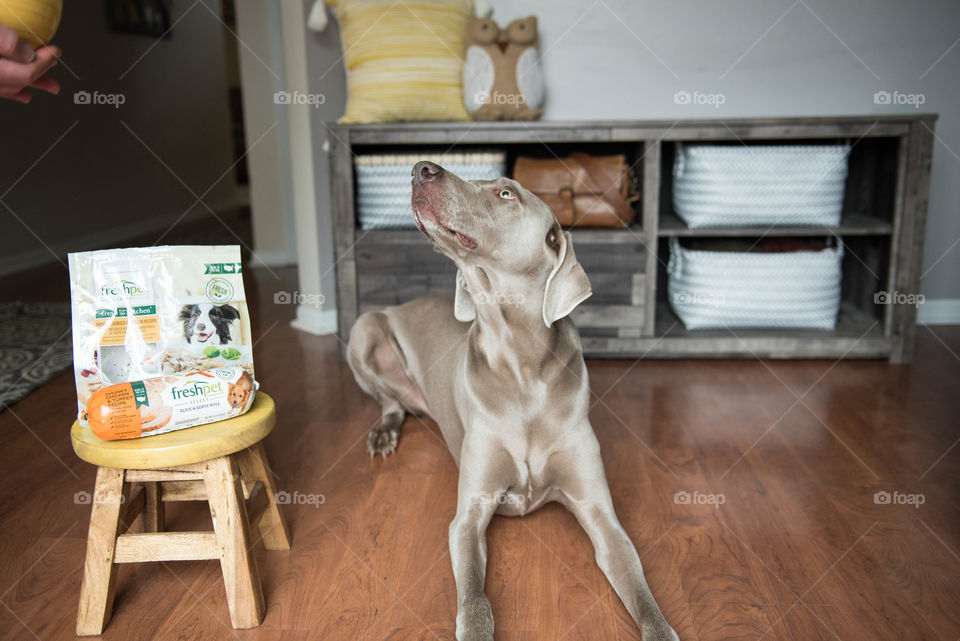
(581, 190)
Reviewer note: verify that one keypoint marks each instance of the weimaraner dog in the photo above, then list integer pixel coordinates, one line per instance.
(499, 367)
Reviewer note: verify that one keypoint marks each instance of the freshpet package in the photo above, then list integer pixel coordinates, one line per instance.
(150, 314)
(168, 403)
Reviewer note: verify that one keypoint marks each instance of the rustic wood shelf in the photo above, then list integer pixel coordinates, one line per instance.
(850, 225)
(882, 228)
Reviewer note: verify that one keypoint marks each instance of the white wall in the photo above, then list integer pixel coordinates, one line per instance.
(261, 61)
(99, 183)
(609, 59)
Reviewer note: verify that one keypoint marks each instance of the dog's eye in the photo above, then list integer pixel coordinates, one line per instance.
(553, 239)
(507, 194)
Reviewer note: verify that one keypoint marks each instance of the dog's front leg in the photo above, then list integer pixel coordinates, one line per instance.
(586, 494)
(481, 487)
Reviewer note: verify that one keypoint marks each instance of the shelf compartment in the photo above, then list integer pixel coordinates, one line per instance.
(397, 266)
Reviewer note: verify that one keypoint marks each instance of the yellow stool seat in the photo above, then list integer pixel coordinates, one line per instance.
(183, 447)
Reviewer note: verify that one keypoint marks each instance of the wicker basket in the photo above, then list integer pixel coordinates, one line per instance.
(383, 182)
(720, 289)
(719, 185)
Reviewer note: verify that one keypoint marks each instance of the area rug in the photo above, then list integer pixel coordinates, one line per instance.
(34, 347)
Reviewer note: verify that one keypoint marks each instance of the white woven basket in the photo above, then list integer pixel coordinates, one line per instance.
(383, 182)
(718, 185)
(720, 289)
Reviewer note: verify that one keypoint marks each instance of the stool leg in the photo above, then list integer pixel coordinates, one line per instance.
(229, 511)
(153, 507)
(99, 570)
(273, 527)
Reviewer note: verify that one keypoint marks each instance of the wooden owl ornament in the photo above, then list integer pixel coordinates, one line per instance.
(502, 77)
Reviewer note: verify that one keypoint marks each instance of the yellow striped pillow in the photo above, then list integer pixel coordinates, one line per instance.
(404, 59)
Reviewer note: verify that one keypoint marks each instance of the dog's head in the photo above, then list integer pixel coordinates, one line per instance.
(208, 324)
(239, 392)
(506, 242)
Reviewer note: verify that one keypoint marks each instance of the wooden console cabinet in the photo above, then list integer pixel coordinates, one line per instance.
(882, 228)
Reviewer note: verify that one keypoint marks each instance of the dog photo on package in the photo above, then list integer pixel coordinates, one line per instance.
(161, 338)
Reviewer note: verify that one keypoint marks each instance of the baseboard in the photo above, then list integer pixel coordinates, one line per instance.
(939, 311)
(111, 237)
(320, 322)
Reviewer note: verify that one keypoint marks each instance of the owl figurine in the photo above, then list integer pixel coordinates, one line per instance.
(502, 77)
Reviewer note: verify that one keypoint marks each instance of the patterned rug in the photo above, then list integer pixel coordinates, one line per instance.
(35, 346)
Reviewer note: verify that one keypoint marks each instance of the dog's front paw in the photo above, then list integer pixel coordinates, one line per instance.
(383, 441)
(475, 620)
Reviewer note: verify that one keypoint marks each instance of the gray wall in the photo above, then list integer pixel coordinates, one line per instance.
(626, 59)
(99, 182)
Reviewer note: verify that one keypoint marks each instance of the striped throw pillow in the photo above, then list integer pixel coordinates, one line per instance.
(404, 59)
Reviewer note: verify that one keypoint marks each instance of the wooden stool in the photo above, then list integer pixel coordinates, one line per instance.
(223, 463)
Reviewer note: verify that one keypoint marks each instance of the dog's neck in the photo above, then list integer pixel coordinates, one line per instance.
(508, 329)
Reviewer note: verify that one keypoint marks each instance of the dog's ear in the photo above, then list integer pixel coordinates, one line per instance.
(229, 312)
(464, 309)
(567, 285)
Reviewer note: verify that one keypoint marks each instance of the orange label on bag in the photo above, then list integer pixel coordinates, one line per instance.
(112, 412)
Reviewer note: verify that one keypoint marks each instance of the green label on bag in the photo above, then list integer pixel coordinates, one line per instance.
(223, 268)
(121, 312)
(140, 393)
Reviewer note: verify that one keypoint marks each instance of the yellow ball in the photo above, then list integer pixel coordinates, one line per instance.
(34, 20)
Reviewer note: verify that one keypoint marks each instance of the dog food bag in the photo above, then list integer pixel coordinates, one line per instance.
(142, 313)
(168, 403)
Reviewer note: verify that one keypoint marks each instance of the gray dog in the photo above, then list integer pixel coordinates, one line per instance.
(499, 367)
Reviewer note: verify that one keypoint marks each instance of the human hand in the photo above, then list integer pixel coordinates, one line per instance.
(22, 67)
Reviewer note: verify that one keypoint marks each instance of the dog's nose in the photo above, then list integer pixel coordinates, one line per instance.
(201, 326)
(426, 171)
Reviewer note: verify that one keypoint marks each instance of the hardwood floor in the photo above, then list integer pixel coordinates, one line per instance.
(780, 534)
